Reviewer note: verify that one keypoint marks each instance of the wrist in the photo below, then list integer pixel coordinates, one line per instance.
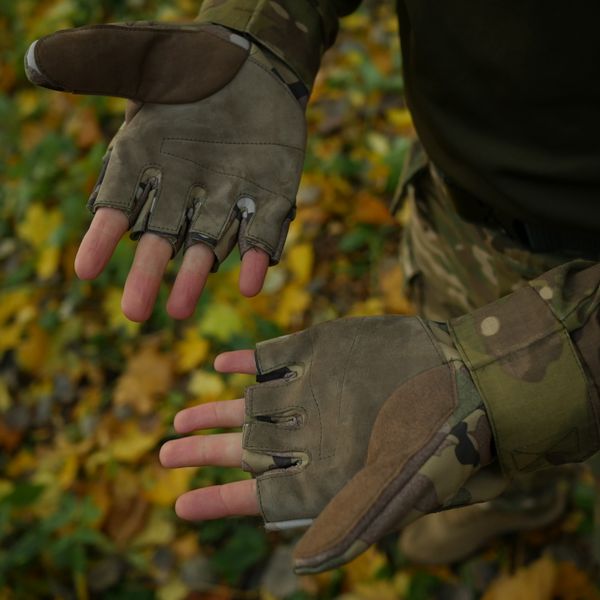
(290, 30)
(529, 374)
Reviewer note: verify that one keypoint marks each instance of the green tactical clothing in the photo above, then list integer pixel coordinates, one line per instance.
(504, 95)
(523, 349)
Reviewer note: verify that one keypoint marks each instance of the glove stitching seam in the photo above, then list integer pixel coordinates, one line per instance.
(437, 430)
(312, 392)
(280, 83)
(360, 526)
(202, 232)
(135, 29)
(340, 390)
(201, 166)
(236, 143)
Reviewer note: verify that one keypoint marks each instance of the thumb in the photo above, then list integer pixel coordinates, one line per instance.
(144, 62)
(393, 488)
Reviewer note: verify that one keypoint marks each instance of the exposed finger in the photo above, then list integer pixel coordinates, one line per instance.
(219, 450)
(143, 282)
(238, 361)
(255, 263)
(231, 499)
(99, 242)
(227, 413)
(196, 265)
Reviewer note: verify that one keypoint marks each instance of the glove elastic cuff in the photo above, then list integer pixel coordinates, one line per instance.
(528, 371)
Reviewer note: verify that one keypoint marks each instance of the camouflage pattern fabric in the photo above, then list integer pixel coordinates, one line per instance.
(317, 419)
(455, 267)
(298, 32)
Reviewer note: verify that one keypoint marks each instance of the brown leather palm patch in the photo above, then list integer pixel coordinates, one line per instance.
(405, 435)
(158, 64)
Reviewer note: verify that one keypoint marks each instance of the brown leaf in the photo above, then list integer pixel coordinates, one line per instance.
(536, 581)
(148, 376)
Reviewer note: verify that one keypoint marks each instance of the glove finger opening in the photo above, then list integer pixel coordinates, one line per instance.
(259, 229)
(104, 167)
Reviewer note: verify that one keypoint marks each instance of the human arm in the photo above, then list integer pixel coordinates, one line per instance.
(149, 65)
(430, 437)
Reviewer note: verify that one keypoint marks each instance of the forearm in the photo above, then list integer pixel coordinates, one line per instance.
(534, 357)
(297, 31)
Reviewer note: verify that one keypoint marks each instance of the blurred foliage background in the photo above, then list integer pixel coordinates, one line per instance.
(87, 397)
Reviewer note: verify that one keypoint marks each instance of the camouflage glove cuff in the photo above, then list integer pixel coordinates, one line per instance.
(361, 425)
(293, 30)
(542, 405)
(213, 143)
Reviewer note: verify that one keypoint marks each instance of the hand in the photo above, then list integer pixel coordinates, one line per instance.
(356, 427)
(210, 153)
(219, 450)
(151, 258)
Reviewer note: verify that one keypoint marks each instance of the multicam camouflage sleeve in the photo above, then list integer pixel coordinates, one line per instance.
(357, 427)
(296, 31)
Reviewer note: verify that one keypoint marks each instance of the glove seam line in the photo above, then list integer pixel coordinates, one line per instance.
(360, 527)
(224, 173)
(236, 143)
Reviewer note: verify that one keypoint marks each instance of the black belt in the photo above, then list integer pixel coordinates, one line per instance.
(535, 236)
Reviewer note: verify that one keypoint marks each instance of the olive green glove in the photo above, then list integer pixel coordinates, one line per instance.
(363, 425)
(213, 142)
(384, 403)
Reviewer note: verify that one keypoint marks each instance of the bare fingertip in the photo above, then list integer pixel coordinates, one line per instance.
(178, 422)
(163, 455)
(181, 508)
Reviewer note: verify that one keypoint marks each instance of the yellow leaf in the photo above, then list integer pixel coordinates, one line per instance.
(206, 386)
(174, 590)
(11, 303)
(159, 531)
(291, 304)
(191, 350)
(371, 210)
(39, 225)
(5, 397)
(6, 487)
(68, 472)
(186, 546)
(574, 584)
(399, 117)
(47, 262)
(132, 443)
(533, 582)
(299, 260)
(23, 462)
(32, 352)
(10, 336)
(391, 283)
(148, 376)
(221, 321)
(370, 307)
(365, 567)
(114, 314)
(164, 486)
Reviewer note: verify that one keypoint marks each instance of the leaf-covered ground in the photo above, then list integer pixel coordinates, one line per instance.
(87, 397)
